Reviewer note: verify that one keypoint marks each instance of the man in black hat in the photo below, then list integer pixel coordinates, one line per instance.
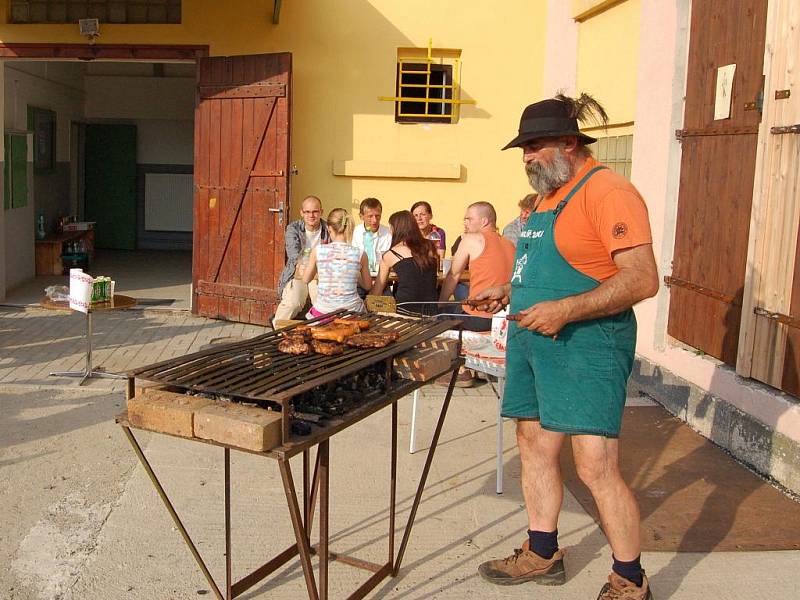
(583, 260)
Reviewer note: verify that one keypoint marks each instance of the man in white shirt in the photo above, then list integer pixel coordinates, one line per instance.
(372, 237)
(301, 236)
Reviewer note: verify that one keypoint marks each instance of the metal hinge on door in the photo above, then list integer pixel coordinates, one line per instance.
(779, 317)
(785, 129)
(278, 210)
(758, 104)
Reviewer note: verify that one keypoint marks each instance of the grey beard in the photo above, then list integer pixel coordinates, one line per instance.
(547, 178)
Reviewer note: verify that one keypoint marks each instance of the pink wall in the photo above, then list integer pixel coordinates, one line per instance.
(561, 49)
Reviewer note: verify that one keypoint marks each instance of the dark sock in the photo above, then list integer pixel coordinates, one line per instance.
(631, 570)
(544, 543)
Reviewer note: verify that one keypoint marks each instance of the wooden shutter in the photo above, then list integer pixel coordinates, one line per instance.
(716, 181)
(241, 185)
(769, 347)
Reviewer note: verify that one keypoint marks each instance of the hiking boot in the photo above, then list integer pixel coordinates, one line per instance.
(619, 588)
(464, 378)
(525, 565)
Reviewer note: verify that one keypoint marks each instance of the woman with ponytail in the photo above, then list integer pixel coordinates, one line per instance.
(341, 268)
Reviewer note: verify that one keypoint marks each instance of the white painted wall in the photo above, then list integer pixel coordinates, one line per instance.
(19, 230)
(57, 87)
(139, 97)
(162, 108)
(165, 142)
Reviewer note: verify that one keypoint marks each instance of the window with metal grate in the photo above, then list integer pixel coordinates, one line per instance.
(427, 85)
(615, 152)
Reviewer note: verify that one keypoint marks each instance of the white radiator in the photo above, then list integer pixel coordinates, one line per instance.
(168, 202)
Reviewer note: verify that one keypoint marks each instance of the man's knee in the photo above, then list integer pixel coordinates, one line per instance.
(293, 299)
(537, 442)
(596, 463)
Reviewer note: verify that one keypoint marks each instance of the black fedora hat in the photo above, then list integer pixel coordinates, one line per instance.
(548, 118)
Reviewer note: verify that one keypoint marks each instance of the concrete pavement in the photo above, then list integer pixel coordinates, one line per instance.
(82, 521)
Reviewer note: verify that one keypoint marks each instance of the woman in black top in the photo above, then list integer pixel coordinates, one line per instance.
(414, 260)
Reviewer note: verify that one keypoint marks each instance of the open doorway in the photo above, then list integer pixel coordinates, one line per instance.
(111, 142)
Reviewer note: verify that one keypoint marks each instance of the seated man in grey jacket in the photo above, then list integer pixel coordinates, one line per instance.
(301, 235)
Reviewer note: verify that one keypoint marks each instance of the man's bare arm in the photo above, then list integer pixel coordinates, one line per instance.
(636, 280)
(460, 262)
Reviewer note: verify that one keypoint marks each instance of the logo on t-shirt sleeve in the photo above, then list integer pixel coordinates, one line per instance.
(620, 230)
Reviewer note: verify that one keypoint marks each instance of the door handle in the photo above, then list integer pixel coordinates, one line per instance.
(278, 210)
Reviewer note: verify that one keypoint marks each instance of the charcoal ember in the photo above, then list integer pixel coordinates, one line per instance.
(309, 417)
(301, 428)
(336, 398)
(310, 408)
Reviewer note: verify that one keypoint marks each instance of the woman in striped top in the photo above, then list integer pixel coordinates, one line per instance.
(340, 266)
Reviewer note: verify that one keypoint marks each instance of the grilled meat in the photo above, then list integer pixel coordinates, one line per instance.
(328, 348)
(372, 340)
(294, 345)
(331, 333)
(362, 324)
(304, 333)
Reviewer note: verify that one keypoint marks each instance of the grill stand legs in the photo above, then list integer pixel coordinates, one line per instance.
(138, 450)
(302, 518)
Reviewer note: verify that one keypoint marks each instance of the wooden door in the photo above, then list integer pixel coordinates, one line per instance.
(769, 344)
(241, 185)
(110, 185)
(716, 181)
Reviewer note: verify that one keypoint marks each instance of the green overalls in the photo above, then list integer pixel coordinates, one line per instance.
(576, 383)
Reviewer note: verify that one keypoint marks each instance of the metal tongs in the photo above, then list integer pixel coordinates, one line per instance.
(472, 303)
(476, 303)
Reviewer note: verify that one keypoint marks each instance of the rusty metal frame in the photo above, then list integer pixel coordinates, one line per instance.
(302, 516)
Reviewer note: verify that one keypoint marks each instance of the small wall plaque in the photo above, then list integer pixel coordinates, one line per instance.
(722, 97)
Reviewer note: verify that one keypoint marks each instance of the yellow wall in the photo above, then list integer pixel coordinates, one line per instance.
(344, 56)
(608, 50)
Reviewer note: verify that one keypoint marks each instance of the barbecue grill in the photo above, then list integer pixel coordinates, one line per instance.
(254, 371)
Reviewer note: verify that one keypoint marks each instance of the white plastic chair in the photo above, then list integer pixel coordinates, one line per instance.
(493, 370)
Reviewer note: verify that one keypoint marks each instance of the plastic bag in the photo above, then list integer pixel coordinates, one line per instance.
(57, 293)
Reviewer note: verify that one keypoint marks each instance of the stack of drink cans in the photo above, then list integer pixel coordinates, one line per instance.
(102, 289)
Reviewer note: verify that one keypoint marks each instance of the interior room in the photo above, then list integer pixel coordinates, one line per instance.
(98, 174)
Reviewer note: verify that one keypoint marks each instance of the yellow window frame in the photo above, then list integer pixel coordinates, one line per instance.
(429, 57)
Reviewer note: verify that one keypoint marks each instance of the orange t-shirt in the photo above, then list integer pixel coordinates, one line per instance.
(492, 267)
(605, 215)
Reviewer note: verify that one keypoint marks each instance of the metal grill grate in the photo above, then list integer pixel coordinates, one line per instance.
(254, 369)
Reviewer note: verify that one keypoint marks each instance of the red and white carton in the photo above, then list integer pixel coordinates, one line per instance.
(79, 226)
(499, 330)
